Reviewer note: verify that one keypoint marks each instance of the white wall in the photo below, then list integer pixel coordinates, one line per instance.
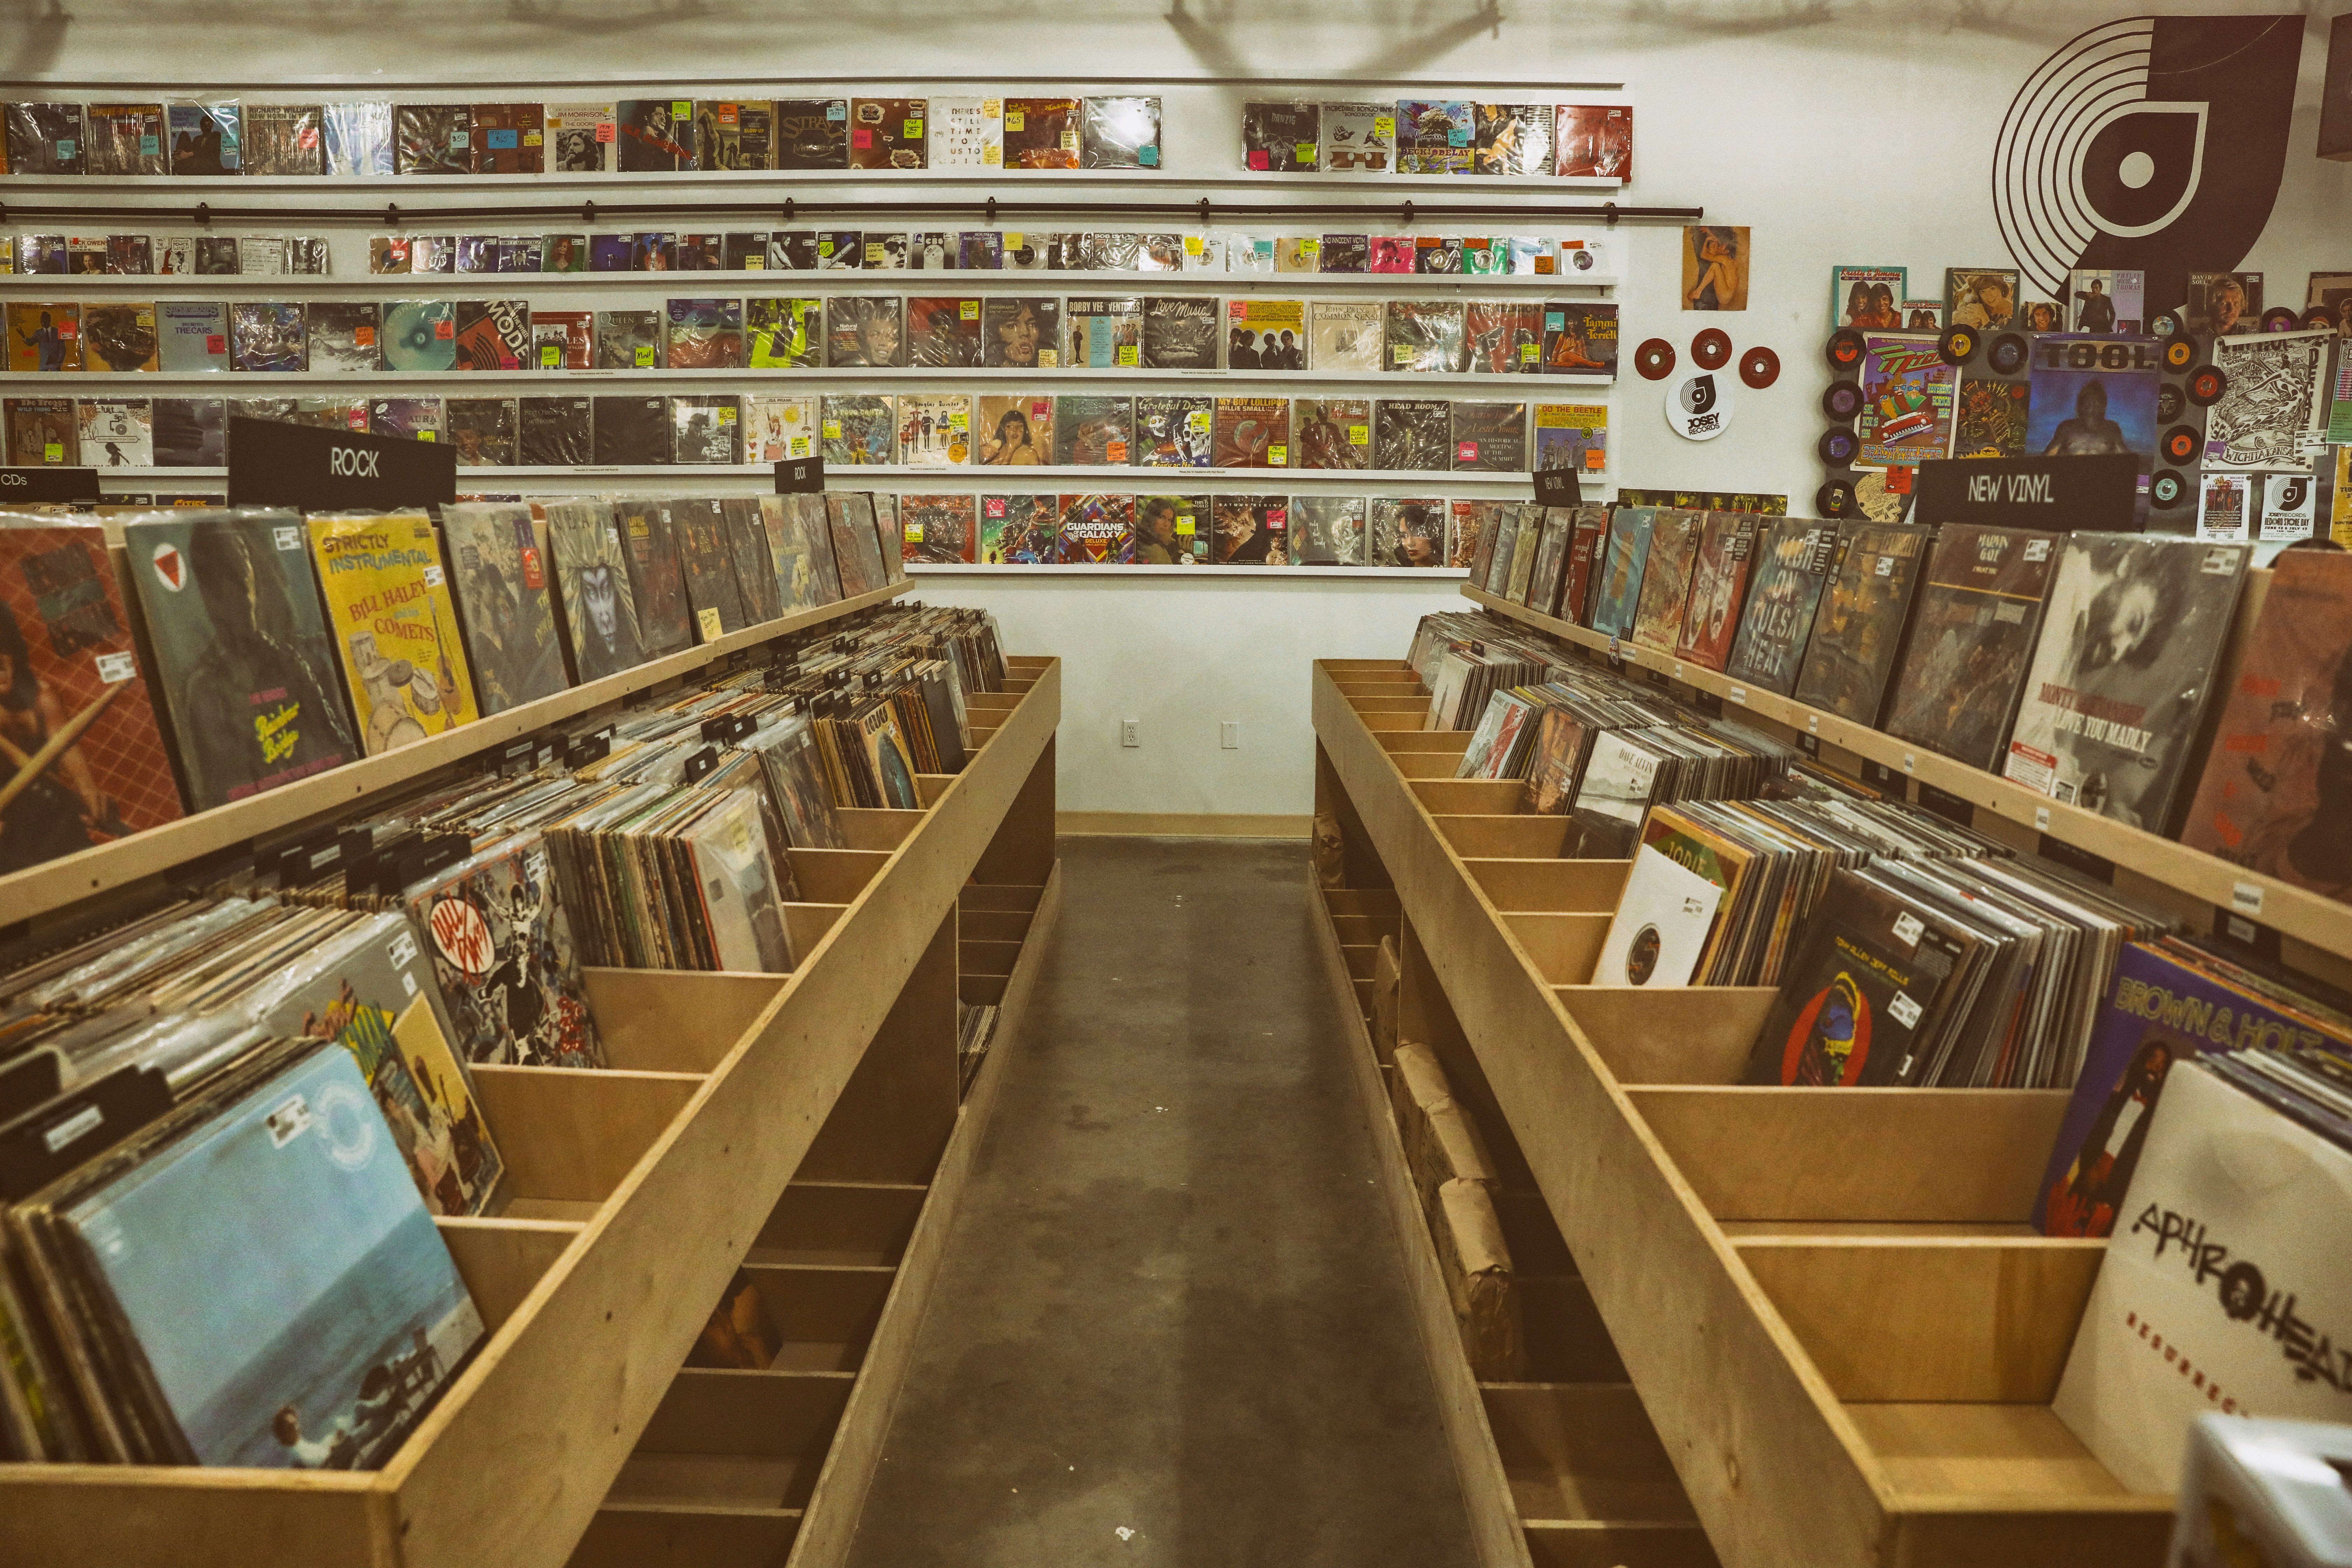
(1838, 131)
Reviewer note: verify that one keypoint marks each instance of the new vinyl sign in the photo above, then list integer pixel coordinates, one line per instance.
(2055, 494)
(314, 469)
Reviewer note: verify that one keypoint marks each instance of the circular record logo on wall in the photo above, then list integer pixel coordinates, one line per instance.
(1698, 406)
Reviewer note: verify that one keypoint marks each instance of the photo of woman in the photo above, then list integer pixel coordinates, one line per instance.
(1715, 267)
(1010, 442)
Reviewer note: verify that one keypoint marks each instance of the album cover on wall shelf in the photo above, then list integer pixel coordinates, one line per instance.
(1281, 138)
(1093, 431)
(1413, 433)
(1173, 432)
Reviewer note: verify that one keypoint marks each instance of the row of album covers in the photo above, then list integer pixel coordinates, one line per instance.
(297, 1036)
(840, 332)
(674, 135)
(282, 646)
(943, 430)
(1905, 949)
(810, 250)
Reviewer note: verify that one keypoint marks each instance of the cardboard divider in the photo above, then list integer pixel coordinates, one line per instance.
(1944, 1155)
(1508, 838)
(835, 875)
(501, 1259)
(870, 828)
(1564, 946)
(571, 1135)
(637, 1012)
(1559, 886)
(1440, 742)
(1697, 1034)
(840, 1223)
(1582, 1450)
(1979, 1320)
(824, 1313)
(753, 1440)
(1429, 764)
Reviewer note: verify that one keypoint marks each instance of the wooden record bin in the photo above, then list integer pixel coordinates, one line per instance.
(805, 1127)
(1829, 1302)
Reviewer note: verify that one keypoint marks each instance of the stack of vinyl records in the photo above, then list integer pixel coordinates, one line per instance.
(1954, 974)
(1546, 731)
(975, 1028)
(1629, 770)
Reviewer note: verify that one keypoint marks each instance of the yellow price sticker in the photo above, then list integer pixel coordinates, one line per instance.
(1277, 456)
(1128, 355)
(549, 356)
(1310, 246)
(1184, 525)
(912, 130)
(1191, 244)
(755, 263)
(54, 452)
(914, 531)
(727, 417)
(1403, 353)
(875, 253)
(708, 619)
(1015, 119)
(970, 311)
(645, 356)
(832, 430)
(1384, 127)
(1530, 352)
(425, 435)
(1360, 435)
(1306, 150)
(1070, 141)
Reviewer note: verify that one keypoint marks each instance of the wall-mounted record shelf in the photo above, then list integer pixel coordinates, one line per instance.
(54, 884)
(1177, 481)
(2161, 863)
(1397, 383)
(1728, 1235)
(789, 1117)
(949, 282)
(1226, 574)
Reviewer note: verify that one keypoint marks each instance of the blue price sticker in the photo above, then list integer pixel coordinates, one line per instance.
(1148, 156)
(505, 139)
(151, 146)
(836, 112)
(67, 146)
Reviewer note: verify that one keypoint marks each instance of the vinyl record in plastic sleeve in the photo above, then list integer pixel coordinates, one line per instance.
(1957, 345)
(2180, 352)
(1711, 349)
(1837, 447)
(1759, 367)
(2008, 354)
(2206, 385)
(1655, 359)
(2179, 445)
(2166, 490)
(1846, 349)
(2170, 402)
(1834, 500)
(1842, 401)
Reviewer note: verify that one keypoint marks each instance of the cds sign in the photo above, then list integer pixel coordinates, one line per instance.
(1698, 406)
(47, 484)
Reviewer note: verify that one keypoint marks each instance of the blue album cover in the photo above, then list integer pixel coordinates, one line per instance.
(1620, 577)
(2092, 396)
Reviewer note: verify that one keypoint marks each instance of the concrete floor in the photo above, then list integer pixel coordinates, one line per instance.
(1171, 1302)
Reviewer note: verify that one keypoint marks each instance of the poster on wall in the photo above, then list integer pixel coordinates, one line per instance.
(2270, 410)
(2092, 396)
(1908, 394)
(1715, 267)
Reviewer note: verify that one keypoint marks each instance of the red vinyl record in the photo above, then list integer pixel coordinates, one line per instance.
(1655, 359)
(2206, 385)
(1760, 368)
(1711, 349)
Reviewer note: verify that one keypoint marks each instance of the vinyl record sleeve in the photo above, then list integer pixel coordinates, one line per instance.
(864, 332)
(1179, 332)
(943, 333)
(1332, 432)
(1174, 432)
(191, 433)
(1424, 335)
(1619, 594)
(1281, 138)
(887, 133)
(395, 625)
(1266, 334)
(358, 140)
(1973, 630)
(1119, 133)
(118, 338)
(939, 529)
(428, 138)
(1359, 137)
(503, 602)
(656, 576)
(1251, 530)
(1018, 530)
(1490, 437)
(860, 428)
(1413, 433)
(1406, 531)
(811, 133)
(1346, 335)
(1675, 540)
(203, 138)
(1096, 530)
(285, 139)
(1093, 431)
(1434, 136)
(654, 135)
(705, 430)
(1327, 530)
(934, 429)
(1726, 553)
(593, 584)
(1858, 629)
(1792, 566)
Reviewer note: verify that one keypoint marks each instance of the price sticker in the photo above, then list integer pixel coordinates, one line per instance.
(1530, 352)
(1129, 355)
(1737, 694)
(832, 430)
(2041, 818)
(1813, 723)
(680, 108)
(427, 436)
(53, 452)
(1384, 127)
(444, 329)
(550, 357)
(1277, 456)
(1905, 1011)
(151, 146)
(1148, 156)
(708, 619)
(459, 141)
(970, 311)
(645, 356)
(1310, 246)
(1360, 434)
(1070, 140)
(1907, 929)
(1191, 244)
(1305, 152)
(914, 534)
(1015, 119)
(605, 133)
(912, 130)
(1910, 761)
(2246, 898)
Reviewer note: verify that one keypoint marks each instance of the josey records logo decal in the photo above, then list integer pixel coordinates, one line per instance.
(2150, 144)
(1698, 406)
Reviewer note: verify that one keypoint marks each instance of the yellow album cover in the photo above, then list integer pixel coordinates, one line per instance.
(394, 625)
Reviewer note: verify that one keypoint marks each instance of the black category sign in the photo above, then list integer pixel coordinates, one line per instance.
(799, 476)
(45, 484)
(1558, 487)
(314, 469)
(2055, 494)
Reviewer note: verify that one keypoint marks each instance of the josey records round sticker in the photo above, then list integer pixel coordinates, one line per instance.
(1699, 405)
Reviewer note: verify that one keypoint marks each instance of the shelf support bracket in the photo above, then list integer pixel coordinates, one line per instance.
(991, 212)
(203, 215)
(1204, 212)
(1609, 210)
(1408, 214)
(588, 214)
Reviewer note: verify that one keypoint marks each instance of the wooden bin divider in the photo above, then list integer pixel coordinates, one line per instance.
(637, 1192)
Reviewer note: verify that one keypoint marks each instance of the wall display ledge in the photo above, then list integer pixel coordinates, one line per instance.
(1226, 575)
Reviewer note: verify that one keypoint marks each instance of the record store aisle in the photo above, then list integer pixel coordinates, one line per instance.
(1172, 1303)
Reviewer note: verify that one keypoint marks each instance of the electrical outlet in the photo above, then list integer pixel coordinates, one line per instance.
(1229, 734)
(1130, 731)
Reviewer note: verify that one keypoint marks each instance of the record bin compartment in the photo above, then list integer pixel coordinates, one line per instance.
(1738, 1241)
(635, 1195)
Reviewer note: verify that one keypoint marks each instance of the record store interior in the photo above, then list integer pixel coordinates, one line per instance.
(1627, 843)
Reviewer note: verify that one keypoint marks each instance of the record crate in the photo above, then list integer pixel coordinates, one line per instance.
(806, 1127)
(1829, 1300)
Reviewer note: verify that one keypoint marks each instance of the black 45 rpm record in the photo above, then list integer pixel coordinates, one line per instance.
(2008, 354)
(1655, 359)
(1834, 500)
(1842, 400)
(1837, 447)
(2179, 445)
(2180, 352)
(2169, 403)
(2166, 490)
(1957, 345)
(1846, 349)
(2281, 319)
(2164, 324)
(1760, 368)
(2317, 319)
(1712, 349)
(2206, 385)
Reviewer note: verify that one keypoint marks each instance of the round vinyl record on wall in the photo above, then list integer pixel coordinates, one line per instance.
(2169, 403)
(1842, 401)
(2166, 490)
(2008, 354)
(2206, 385)
(2180, 352)
(1837, 447)
(2281, 319)
(2179, 445)
(1711, 349)
(1846, 349)
(1957, 345)
(1834, 500)
(2164, 323)
(1655, 359)
(1760, 368)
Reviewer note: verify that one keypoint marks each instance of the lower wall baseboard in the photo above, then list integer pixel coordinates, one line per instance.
(1184, 824)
